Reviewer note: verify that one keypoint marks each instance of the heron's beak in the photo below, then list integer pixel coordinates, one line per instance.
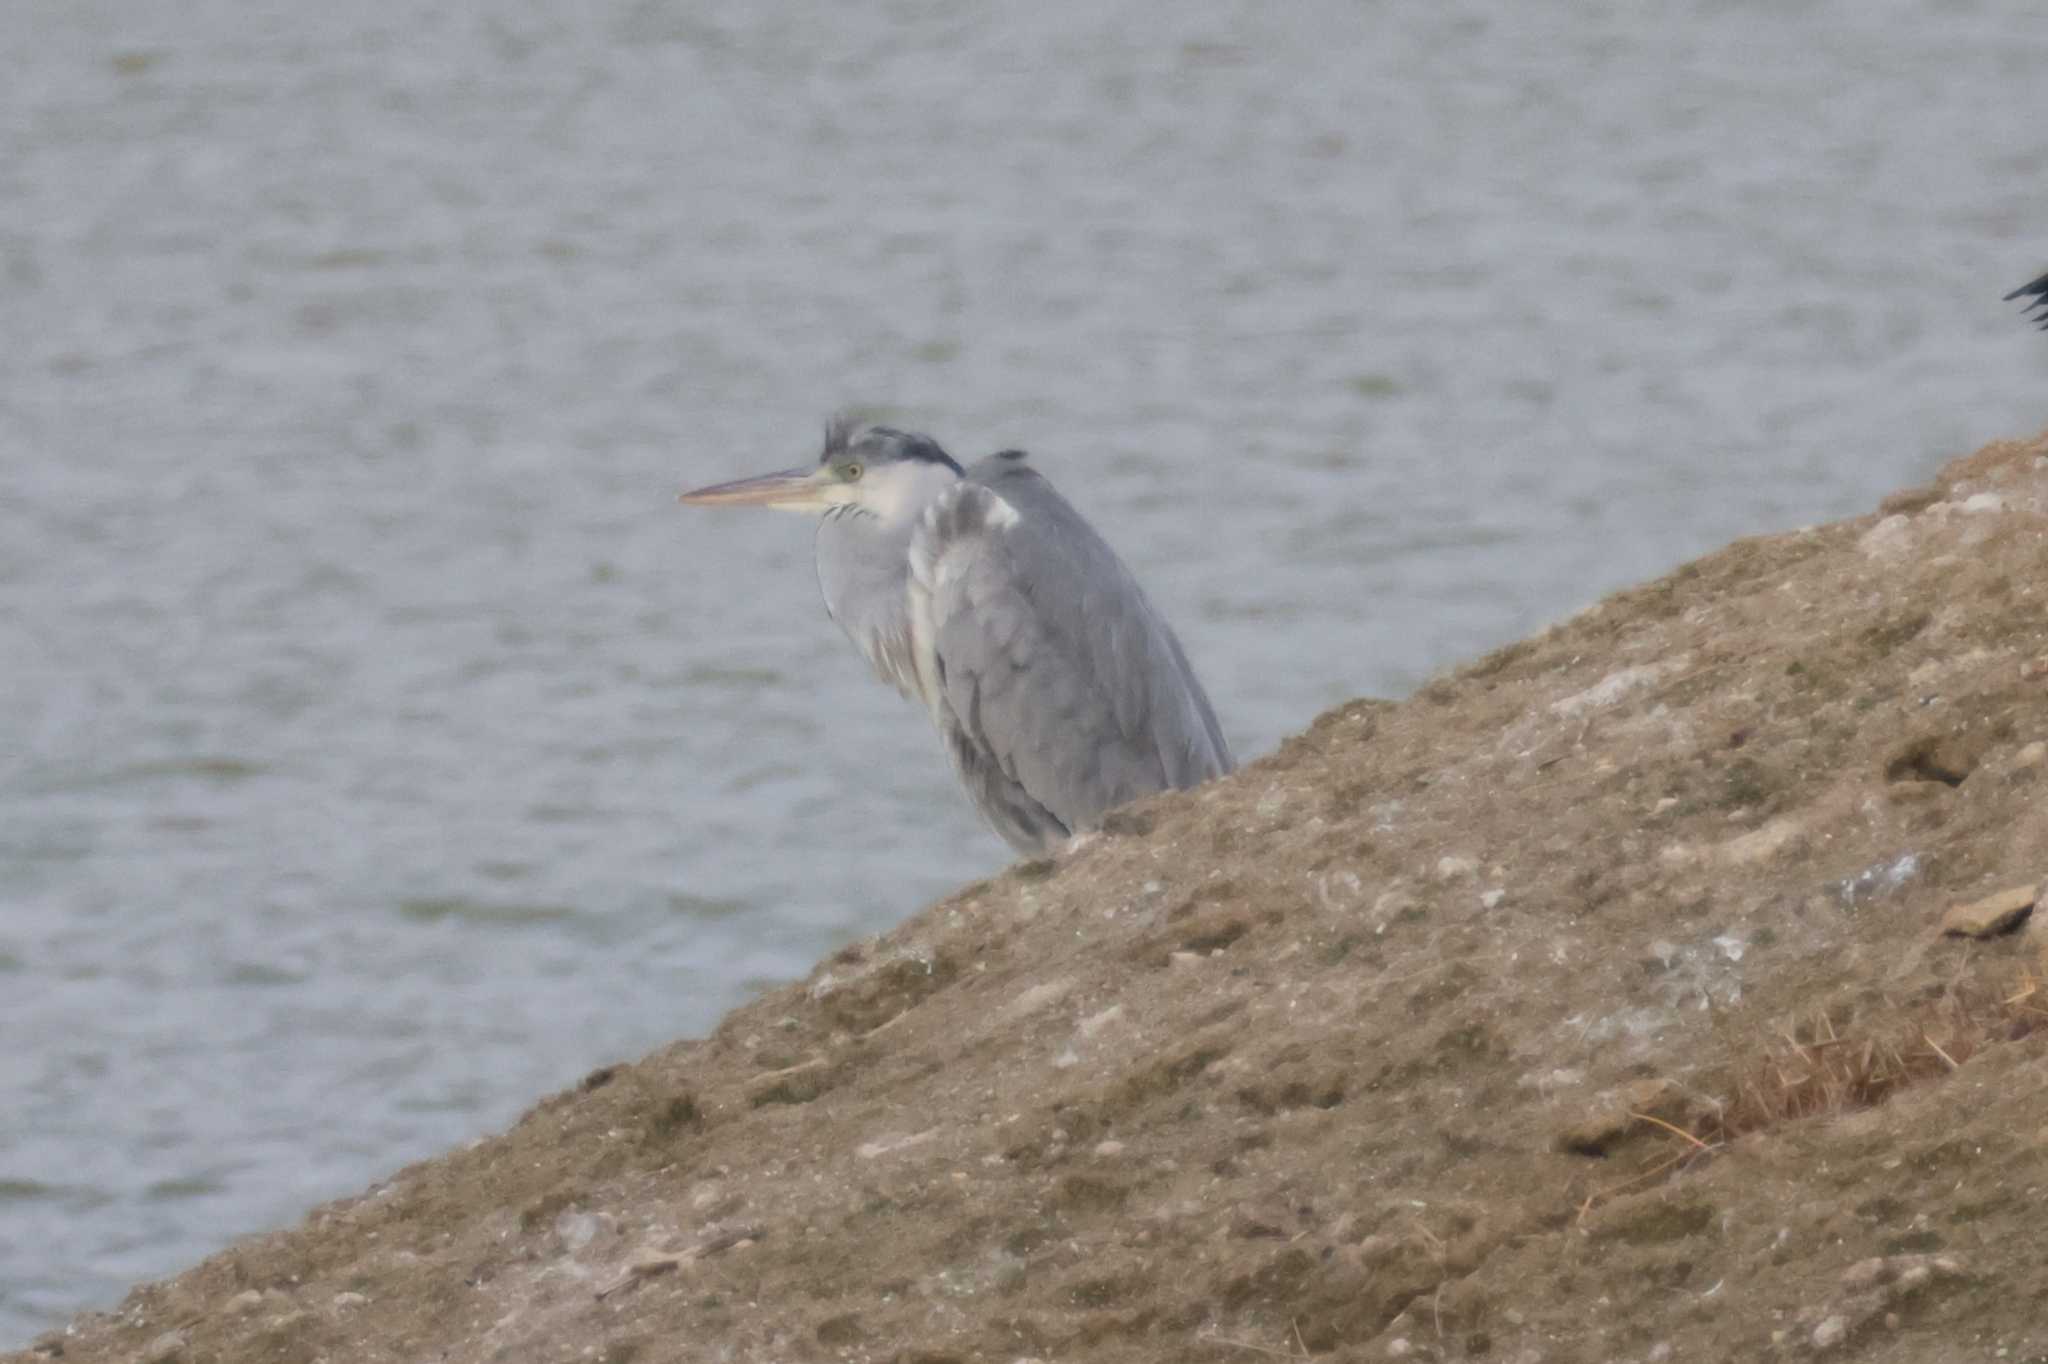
(801, 489)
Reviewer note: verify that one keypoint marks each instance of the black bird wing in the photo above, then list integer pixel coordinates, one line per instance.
(2037, 311)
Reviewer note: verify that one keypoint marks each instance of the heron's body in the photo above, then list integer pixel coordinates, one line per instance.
(982, 595)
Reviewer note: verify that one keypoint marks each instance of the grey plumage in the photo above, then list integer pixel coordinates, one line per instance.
(1058, 689)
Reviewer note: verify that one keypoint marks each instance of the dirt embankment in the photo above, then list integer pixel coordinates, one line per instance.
(1591, 1005)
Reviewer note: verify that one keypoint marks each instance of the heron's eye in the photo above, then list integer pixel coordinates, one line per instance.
(849, 472)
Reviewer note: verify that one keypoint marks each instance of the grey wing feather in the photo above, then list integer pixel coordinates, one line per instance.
(1060, 690)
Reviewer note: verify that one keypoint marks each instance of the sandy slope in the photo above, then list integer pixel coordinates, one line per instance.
(1339, 1057)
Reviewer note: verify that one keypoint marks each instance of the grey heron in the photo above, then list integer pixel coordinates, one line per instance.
(2037, 311)
(1059, 690)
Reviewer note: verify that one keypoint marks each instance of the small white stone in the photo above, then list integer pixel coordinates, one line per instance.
(883, 1146)
(1616, 685)
(1492, 899)
(1398, 1347)
(1760, 845)
(1109, 1148)
(1887, 539)
(1830, 1332)
(1095, 1023)
(576, 1229)
(1037, 997)
(1980, 503)
(1450, 868)
(347, 1300)
(165, 1348)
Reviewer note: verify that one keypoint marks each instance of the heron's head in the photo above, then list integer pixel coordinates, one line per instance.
(875, 470)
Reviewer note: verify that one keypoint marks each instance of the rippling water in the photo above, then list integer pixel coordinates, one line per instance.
(383, 748)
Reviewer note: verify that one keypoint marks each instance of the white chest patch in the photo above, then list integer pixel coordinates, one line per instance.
(1001, 515)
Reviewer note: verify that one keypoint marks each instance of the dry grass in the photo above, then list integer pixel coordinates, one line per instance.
(1789, 1079)
(1834, 1074)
